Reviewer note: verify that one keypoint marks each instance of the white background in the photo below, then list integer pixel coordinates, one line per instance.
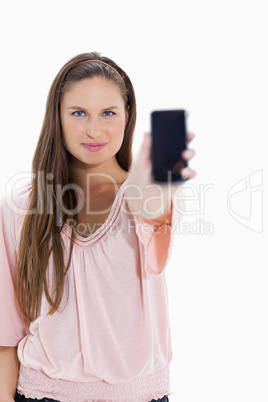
(209, 57)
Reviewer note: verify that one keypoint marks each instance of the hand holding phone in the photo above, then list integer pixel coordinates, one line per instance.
(168, 131)
(143, 172)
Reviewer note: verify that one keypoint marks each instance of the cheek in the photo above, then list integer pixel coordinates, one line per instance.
(71, 128)
(118, 128)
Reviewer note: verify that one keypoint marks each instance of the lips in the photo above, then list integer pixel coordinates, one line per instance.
(94, 146)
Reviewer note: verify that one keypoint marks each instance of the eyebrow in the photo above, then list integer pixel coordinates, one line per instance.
(81, 108)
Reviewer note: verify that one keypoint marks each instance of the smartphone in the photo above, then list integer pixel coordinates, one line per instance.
(168, 131)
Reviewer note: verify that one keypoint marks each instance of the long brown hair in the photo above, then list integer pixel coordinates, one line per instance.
(41, 231)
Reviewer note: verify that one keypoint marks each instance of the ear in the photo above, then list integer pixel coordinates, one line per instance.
(127, 116)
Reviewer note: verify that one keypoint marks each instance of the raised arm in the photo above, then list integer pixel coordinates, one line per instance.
(147, 199)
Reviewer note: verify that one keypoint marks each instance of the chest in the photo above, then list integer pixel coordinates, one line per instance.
(94, 213)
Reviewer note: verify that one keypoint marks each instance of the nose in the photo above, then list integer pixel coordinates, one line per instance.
(93, 129)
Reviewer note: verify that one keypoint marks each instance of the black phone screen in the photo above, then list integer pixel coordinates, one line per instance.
(168, 130)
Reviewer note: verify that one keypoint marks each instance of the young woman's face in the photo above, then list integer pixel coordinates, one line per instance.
(92, 112)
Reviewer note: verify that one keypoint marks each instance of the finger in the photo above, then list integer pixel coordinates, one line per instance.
(188, 154)
(190, 136)
(188, 173)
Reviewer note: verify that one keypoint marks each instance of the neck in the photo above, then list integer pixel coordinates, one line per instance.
(85, 176)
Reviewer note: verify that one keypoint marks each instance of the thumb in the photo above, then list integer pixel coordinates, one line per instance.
(145, 150)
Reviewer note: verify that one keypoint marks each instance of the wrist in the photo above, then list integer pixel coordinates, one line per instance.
(6, 398)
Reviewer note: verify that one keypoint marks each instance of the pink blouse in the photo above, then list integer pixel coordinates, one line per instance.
(111, 340)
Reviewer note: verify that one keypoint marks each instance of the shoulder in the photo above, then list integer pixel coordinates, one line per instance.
(15, 202)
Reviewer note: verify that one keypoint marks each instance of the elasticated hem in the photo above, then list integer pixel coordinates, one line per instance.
(36, 384)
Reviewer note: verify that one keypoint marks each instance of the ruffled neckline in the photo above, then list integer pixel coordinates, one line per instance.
(92, 238)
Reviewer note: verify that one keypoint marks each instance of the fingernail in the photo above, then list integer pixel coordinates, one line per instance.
(187, 153)
(185, 173)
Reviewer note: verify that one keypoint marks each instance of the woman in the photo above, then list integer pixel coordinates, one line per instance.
(84, 309)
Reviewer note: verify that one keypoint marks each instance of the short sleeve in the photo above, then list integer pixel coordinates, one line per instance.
(12, 322)
(157, 239)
